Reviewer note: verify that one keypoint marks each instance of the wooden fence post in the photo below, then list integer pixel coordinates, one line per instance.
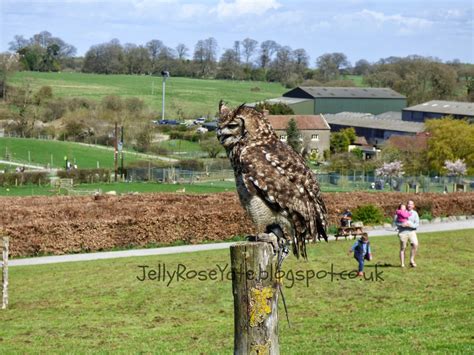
(255, 290)
(5, 247)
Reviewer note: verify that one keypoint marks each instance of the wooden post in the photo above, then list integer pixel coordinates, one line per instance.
(5, 247)
(255, 289)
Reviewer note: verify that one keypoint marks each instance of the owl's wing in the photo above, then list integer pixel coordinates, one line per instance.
(281, 178)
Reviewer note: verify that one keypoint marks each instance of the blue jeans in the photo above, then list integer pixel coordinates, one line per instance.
(360, 260)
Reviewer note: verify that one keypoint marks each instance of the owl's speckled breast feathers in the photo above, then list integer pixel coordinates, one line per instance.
(273, 182)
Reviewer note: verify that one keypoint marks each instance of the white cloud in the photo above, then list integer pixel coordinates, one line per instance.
(244, 7)
(405, 24)
(187, 11)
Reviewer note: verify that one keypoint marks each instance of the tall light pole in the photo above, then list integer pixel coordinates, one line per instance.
(165, 74)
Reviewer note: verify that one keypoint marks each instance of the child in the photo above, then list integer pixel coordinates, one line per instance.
(361, 249)
(402, 214)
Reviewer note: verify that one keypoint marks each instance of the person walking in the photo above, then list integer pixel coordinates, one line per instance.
(407, 233)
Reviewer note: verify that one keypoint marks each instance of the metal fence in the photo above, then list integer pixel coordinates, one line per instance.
(328, 181)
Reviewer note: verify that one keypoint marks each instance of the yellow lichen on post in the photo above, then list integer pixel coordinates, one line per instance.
(260, 349)
(260, 305)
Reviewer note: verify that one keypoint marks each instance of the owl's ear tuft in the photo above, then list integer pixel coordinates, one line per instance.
(223, 109)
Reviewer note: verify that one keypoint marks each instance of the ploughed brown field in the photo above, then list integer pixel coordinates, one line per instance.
(58, 225)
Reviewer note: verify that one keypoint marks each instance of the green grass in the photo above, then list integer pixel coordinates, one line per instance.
(357, 79)
(192, 96)
(120, 187)
(40, 152)
(101, 306)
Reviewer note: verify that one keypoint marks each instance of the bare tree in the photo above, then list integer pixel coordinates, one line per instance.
(236, 49)
(330, 64)
(182, 51)
(249, 45)
(301, 59)
(154, 47)
(267, 50)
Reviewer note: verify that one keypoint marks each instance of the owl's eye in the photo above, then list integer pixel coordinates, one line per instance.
(233, 125)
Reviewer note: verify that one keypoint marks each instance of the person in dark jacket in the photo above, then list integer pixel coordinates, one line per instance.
(362, 252)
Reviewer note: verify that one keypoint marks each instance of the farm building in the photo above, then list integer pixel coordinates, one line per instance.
(375, 128)
(314, 130)
(317, 100)
(437, 109)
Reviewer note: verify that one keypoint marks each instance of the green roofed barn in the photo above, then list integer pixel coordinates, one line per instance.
(317, 100)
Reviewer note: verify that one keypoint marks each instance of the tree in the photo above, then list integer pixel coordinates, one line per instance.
(293, 136)
(282, 66)
(301, 60)
(450, 139)
(340, 141)
(105, 58)
(249, 46)
(154, 48)
(455, 168)
(205, 53)
(182, 51)
(8, 65)
(420, 79)
(229, 66)
(278, 108)
(362, 67)
(42, 52)
(330, 64)
(137, 59)
(267, 50)
(211, 146)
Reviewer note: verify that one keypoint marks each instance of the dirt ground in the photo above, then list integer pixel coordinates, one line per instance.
(58, 225)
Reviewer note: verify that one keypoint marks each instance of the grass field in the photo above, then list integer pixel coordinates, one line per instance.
(195, 97)
(44, 152)
(119, 187)
(357, 79)
(101, 306)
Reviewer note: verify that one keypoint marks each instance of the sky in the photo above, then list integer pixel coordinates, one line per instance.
(361, 29)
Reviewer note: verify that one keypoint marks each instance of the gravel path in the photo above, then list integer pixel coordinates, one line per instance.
(434, 227)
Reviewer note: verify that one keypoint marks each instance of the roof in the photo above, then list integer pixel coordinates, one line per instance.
(284, 100)
(390, 115)
(367, 120)
(303, 122)
(416, 143)
(446, 107)
(345, 92)
(360, 141)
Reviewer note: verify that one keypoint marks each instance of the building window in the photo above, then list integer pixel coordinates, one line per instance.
(315, 137)
(283, 138)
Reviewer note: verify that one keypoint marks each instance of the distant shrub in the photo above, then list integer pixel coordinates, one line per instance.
(368, 214)
(54, 109)
(191, 164)
(43, 94)
(275, 109)
(77, 103)
(35, 177)
(134, 104)
(156, 149)
(81, 176)
(187, 135)
(112, 103)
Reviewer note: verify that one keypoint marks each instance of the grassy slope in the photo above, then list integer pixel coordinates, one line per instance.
(41, 151)
(193, 96)
(209, 187)
(101, 306)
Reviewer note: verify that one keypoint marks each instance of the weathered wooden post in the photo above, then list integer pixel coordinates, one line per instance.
(255, 289)
(5, 247)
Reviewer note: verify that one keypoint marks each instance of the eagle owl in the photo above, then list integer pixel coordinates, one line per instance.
(274, 184)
